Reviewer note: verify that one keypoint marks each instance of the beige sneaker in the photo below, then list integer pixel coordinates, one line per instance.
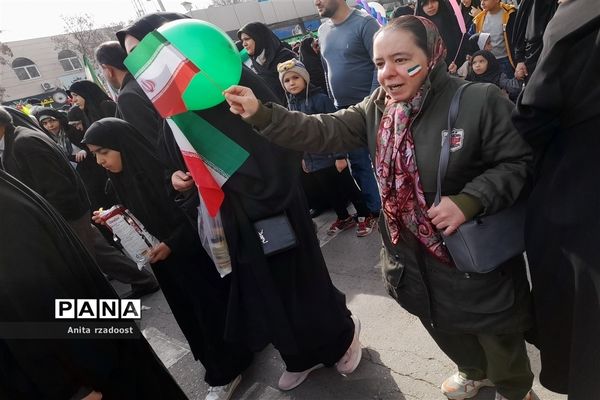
(458, 387)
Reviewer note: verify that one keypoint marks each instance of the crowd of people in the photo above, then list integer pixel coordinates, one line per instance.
(357, 115)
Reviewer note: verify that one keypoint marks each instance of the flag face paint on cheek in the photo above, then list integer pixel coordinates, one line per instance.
(414, 70)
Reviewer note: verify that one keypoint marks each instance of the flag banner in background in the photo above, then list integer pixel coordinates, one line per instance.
(162, 72)
(211, 156)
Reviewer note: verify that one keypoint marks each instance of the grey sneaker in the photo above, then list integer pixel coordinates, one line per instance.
(458, 387)
(223, 392)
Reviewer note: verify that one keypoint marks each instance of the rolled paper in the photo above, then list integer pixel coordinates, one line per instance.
(412, 71)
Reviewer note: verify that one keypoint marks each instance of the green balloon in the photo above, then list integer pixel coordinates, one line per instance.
(213, 52)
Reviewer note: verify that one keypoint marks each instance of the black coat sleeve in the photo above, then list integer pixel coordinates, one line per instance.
(49, 175)
(140, 113)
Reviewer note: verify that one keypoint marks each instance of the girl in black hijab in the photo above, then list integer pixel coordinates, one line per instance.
(286, 299)
(485, 68)
(441, 14)
(189, 280)
(40, 261)
(266, 51)
(92, 100)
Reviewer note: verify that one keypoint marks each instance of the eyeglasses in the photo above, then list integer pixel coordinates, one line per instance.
(286, 65)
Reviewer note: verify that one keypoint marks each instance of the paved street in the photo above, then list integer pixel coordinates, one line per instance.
(400, 361)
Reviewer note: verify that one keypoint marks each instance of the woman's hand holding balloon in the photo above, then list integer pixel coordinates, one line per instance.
(242, 101)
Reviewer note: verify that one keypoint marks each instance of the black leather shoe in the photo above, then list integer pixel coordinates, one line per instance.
(140, 292)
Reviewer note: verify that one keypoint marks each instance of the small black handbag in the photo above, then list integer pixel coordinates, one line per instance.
(484, 243)
(275, 234)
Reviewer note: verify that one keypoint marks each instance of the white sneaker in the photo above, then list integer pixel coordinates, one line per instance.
(458, 387)
(223, 392)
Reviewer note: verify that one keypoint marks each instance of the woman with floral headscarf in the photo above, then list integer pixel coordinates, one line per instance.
(478, 320)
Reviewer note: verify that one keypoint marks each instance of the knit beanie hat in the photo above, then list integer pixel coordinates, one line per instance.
(292, 65)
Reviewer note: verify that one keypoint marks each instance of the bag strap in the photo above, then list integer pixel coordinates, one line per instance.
(445, 152)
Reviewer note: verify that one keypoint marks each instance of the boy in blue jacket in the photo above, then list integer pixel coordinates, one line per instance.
(330, 170)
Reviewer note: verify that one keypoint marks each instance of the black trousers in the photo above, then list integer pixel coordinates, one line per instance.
(339, 188)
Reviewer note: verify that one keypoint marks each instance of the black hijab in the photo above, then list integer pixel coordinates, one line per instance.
(492, 74)
(312, 62)
(60, 116)
(139, 185)
(264, 40)
(147, 24)
(447, 25)
(97, 103)
(268, 52)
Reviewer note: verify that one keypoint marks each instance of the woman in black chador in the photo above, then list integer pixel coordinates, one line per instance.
(92, 100)
(40, 261)
(266, 51)
(286, 299)
(196, 293)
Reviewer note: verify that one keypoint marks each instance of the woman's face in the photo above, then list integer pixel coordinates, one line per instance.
(394, 53)
(248, 43)
(78, 100)
(130, 43)
(466, 3)
(479, 65)
(431, 7)
(107, 158)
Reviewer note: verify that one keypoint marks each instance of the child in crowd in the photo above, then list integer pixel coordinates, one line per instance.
(478, 41)
(485, 68)
(330, 170)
